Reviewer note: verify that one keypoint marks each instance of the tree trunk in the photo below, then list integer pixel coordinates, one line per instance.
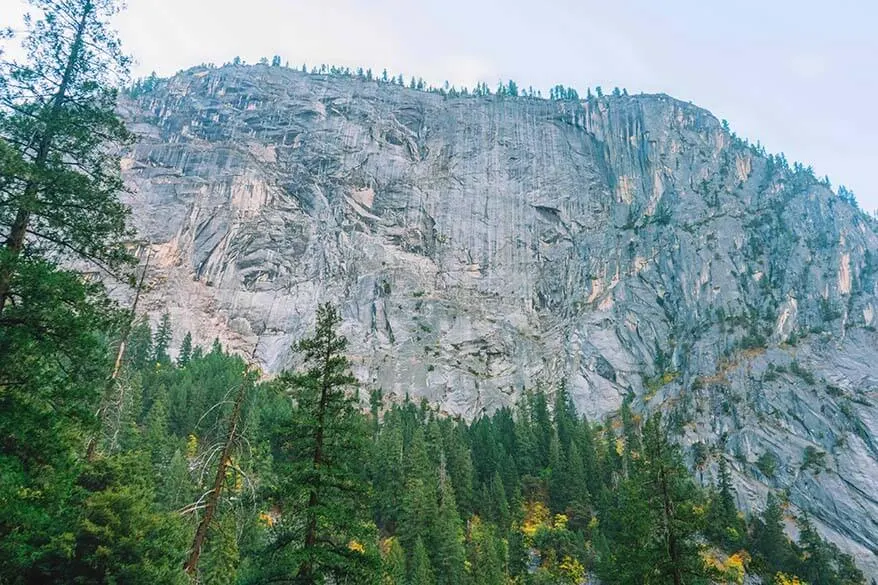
(15, 241)
(306, 569)
(191, 565)
(117, 365)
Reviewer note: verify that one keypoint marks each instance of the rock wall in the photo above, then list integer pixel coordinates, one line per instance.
(625, 245)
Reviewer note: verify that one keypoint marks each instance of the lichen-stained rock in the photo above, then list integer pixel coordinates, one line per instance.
(624, 245)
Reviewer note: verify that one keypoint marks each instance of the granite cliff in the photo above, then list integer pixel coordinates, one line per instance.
(629, 246)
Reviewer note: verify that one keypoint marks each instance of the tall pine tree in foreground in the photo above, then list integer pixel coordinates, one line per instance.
(60, 133)
(325, 533)
(650, 522)
(64, 519)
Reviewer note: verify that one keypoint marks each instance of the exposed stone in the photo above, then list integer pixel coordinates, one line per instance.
(479, 245)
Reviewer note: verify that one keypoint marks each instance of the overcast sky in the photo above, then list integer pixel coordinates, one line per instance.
(801, 76)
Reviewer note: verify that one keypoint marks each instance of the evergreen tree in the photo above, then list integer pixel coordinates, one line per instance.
(420, 571)
(139, 351)
(185, 351)
(460, 466)
(446, 537)
(771, 549)
(628, 551)
(388, 477)
(59, 179)
(418, 514)
(820, 562)
(162, 341)
(328, 533)
(651, 526)
(60, 132)
(559, 486)
(393, 563)
(221, 555)
(176, 489)
(723, 524)
(672, 492)
(496, 503)
(578, 503)
(486, 555)
(118, 536)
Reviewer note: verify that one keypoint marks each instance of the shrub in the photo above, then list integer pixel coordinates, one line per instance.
(767, 464)
(813, 459)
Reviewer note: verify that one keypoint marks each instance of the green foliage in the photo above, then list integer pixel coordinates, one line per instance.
(820, 562)
(185, 351)
(59, 139)
(772, 551)
(121, 538)
(112, 533)
(486, 555)
(803, 373)
(723, 525)
(393, 564)
(222, 556)
(326, 531)
(813, 459)
(655, 522)
(767, 464)
(420, 571)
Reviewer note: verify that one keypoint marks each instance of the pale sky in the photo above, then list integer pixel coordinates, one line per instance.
(801, 76)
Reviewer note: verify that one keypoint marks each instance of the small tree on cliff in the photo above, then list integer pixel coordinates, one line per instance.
(326, 531)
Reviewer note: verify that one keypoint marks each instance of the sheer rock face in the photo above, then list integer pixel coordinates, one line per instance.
(481, 245)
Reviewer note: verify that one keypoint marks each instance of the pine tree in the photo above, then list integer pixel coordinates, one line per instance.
(387, 473)
(496, 503)
(393, 563)
(185, 351)
(771, 548)
(485, 555)
(176, 488)
(418, 513)
(226, 449)
(59, 179)
(564, 416)
(139, 352)
(156, 439)
(329, 533)
(162, 341)
(627, 551)
(221, 556)
(60, 131)
(119, 536)
(460, 466)
(420, 571)
(446, 537)
(723, 524)
(558, 481)
(650, 523)
(578, 503)
(672, 492)
(820, 562)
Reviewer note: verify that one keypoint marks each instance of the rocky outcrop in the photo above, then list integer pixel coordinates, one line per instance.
(626, 246)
